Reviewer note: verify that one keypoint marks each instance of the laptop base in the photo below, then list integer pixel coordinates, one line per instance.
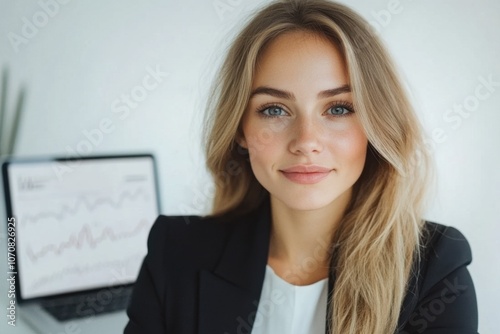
(44, 323)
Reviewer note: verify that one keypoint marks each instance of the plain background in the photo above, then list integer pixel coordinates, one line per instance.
(80, 61)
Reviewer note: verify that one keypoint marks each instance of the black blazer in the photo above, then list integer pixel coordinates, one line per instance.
(205, 276)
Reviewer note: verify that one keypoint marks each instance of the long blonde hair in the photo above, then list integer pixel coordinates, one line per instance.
(379, 237)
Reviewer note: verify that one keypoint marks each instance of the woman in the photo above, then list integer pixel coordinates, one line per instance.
(320, 173)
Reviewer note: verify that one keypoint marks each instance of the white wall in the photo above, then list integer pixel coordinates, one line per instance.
(79, 63)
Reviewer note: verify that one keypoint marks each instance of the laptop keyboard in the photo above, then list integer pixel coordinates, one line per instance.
(89, 304)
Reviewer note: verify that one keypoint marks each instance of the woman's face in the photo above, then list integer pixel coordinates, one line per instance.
(306, 145)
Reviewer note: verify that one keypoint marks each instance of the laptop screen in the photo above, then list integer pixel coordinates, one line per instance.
(81, 223)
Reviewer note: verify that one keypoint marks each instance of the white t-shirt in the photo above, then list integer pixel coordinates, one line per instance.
(285, 308)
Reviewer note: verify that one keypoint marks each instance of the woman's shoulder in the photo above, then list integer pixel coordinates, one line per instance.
(441, 292)
(197, 228)
(193, 241)
(446, 242)
(445, 251)
(188, 224)
(192, 230)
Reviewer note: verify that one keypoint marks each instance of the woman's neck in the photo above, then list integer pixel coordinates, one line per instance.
(300, 249)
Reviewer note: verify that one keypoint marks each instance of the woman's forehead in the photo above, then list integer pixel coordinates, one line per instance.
(299, 59)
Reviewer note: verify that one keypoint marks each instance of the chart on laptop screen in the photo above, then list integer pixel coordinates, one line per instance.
(81, 224)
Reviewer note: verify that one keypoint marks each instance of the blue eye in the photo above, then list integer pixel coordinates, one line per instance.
(273, 111)
(340, 110)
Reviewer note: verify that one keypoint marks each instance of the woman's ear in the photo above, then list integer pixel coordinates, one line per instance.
(240, 140)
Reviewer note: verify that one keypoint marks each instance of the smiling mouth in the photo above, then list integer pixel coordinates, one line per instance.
(306, 174)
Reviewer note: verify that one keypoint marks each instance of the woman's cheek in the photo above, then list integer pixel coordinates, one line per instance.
(352, 145)
(265, 135)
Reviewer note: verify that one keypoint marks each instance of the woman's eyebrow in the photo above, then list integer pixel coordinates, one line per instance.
(283, 94)
(264, 90)
(336, 91)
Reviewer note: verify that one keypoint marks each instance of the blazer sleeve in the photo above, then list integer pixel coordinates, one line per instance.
(447, 299)
(146, 309)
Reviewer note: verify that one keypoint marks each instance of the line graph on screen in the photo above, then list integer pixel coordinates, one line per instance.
(83, 202)
(74, 234)
(85, 238)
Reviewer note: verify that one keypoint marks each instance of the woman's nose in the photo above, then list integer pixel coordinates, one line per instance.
(306, 137)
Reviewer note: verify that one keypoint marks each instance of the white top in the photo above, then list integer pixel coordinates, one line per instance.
(285, 308)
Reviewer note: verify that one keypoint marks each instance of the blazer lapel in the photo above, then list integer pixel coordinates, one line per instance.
(229, 296)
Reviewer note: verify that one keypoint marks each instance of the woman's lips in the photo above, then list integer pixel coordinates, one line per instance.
(306, 174)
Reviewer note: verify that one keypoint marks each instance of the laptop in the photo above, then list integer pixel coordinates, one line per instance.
(81, 227)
